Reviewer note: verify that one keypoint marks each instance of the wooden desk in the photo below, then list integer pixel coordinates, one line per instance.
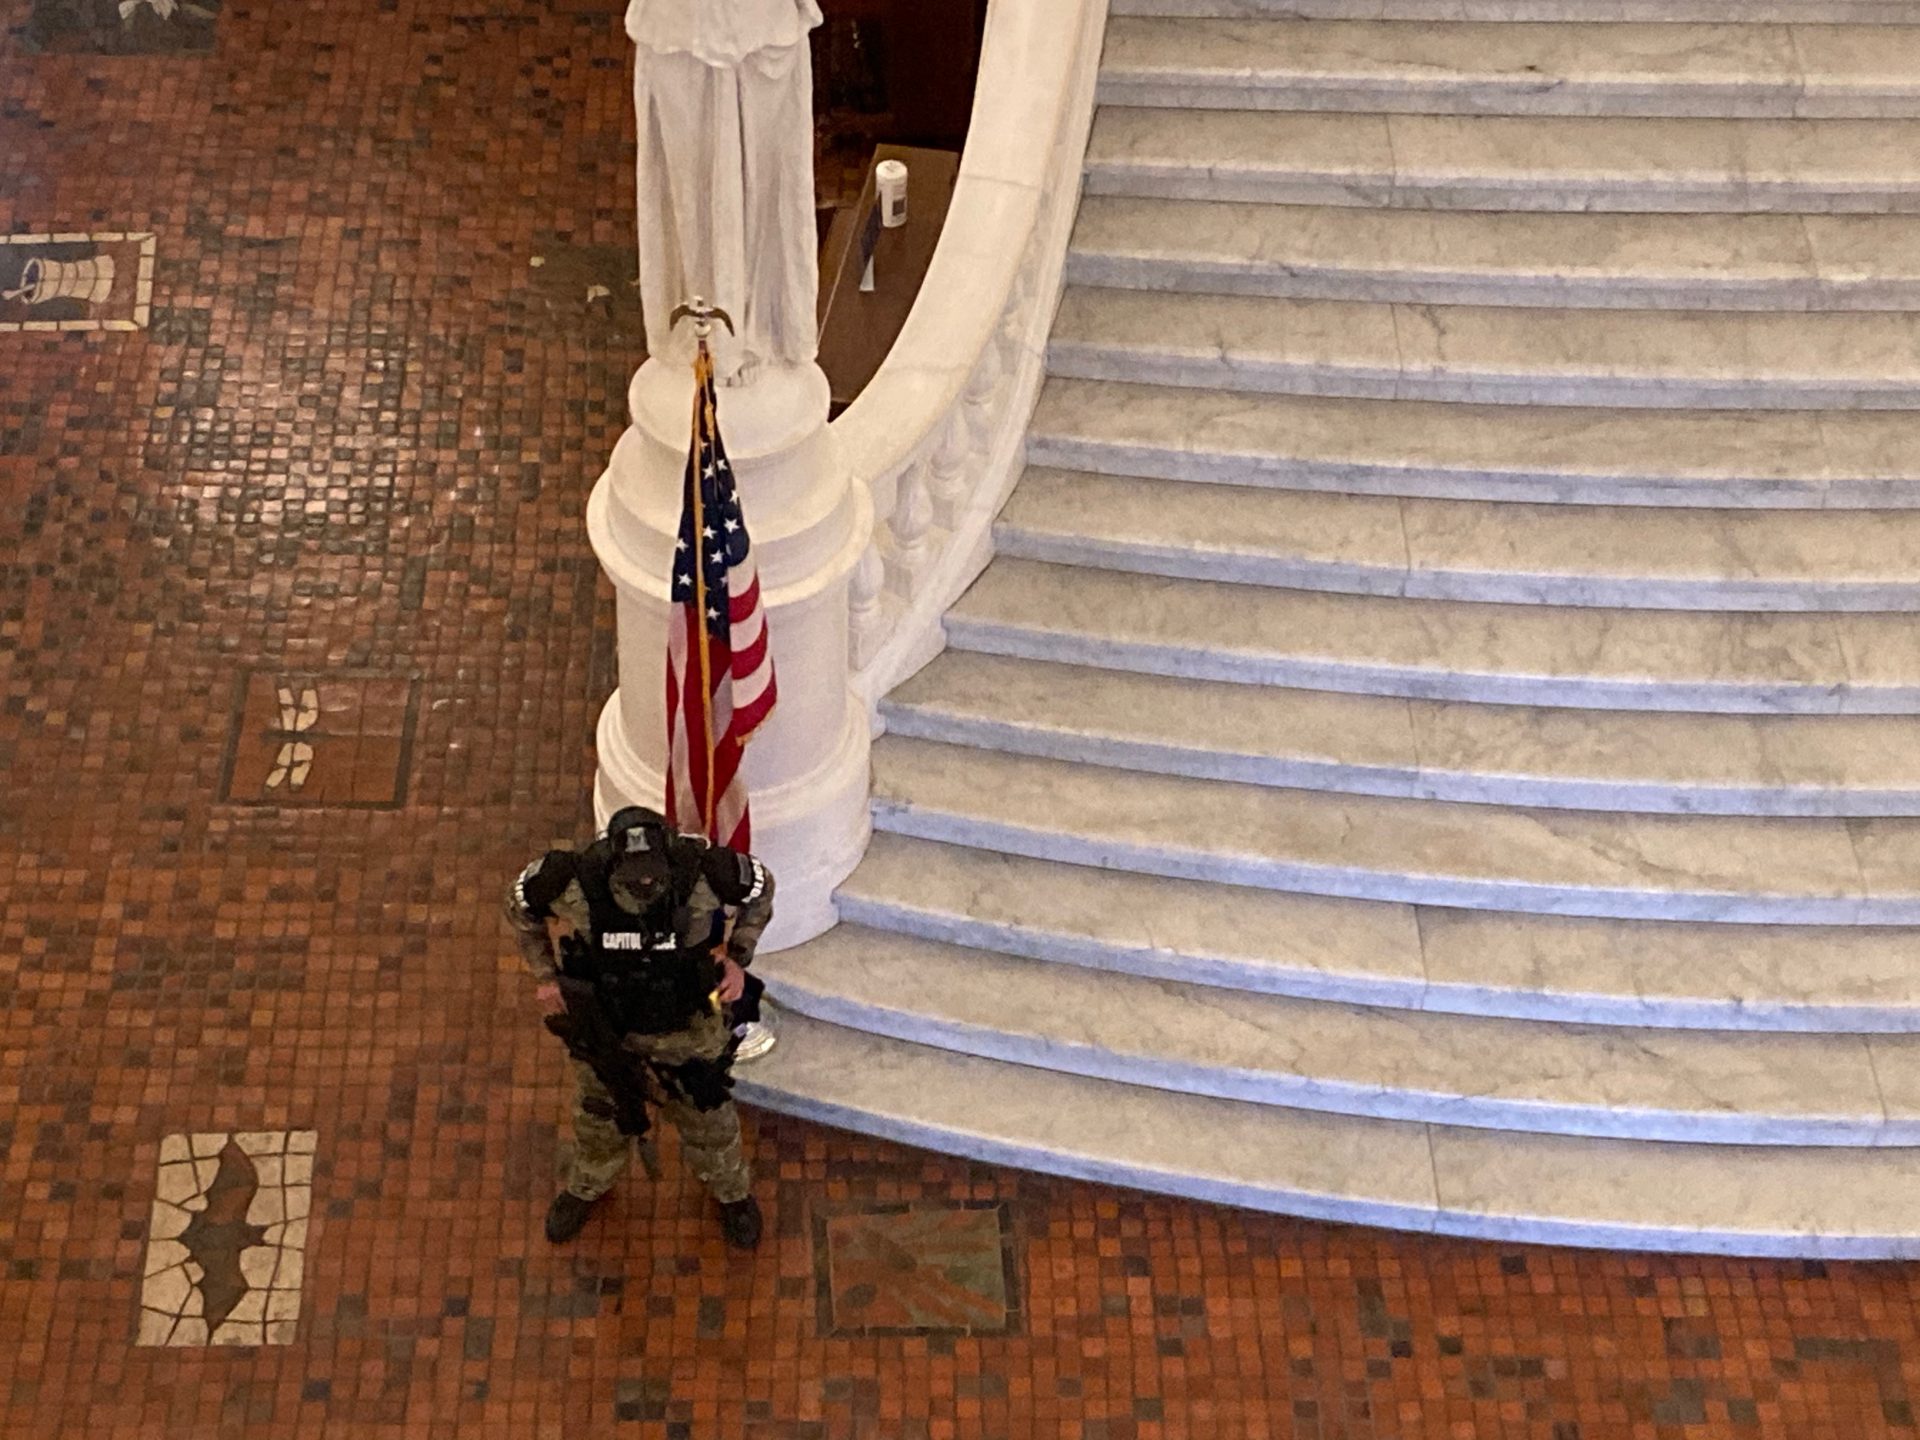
(858, 329)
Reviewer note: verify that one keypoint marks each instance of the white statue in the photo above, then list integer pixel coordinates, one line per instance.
(723, 103)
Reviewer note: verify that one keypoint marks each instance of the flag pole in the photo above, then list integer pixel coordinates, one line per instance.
(702, 366)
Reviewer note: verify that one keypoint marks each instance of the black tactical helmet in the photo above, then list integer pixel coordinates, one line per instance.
(635, 817)
(639, 876)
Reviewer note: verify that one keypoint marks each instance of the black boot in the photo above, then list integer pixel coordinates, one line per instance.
(567, 1215)
(740, 1223)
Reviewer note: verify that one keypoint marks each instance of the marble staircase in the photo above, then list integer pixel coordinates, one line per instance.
(1438, 744)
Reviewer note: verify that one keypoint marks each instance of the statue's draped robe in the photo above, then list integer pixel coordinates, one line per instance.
(723, 101)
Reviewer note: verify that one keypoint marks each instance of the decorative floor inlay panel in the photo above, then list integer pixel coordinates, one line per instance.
(320, 740)
(226, 1247)
(72, 280)
(123, 27)
(574, 288)
(895, 1269)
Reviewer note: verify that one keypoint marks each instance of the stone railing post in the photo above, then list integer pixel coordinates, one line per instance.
(810, 523)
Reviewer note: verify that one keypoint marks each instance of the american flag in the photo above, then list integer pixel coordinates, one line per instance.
(719, 669)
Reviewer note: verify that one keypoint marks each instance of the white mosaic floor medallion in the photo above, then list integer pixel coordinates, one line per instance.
(226, 1248)
(77, 280)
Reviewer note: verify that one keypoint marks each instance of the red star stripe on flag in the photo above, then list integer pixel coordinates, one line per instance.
(720, 685)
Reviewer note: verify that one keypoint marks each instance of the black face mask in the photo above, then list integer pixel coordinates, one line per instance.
(640, 887)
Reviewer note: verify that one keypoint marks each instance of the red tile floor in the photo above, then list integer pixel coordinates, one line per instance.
(301, 645)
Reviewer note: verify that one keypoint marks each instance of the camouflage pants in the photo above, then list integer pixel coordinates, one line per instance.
(711, 1138)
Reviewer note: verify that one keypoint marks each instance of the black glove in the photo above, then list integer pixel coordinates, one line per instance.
(746, 1009)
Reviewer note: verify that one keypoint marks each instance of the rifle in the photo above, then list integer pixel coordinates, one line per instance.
(592, 1037)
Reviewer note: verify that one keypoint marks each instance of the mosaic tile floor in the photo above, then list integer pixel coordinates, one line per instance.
(300, 649)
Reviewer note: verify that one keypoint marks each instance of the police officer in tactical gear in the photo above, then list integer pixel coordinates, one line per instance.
(633, 932)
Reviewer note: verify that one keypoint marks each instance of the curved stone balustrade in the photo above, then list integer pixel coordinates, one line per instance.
(936, 436)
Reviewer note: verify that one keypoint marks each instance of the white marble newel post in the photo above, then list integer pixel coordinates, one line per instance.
(723, 101)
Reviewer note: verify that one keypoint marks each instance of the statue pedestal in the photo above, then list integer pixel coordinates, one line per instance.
(806, 769)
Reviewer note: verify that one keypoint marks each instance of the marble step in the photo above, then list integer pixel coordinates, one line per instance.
(1489, 354)
(1723, 661)
(1443, 162)
(1846, 12)
(1695, 1085)
(1475, 68)
(1856, 979)
(1628, 760)
(1743, 459)
(1829, 1202)
(1583, 555)
(1479, 857)
(1415, 257)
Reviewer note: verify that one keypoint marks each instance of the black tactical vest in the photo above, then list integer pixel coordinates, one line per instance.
(651, 980)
